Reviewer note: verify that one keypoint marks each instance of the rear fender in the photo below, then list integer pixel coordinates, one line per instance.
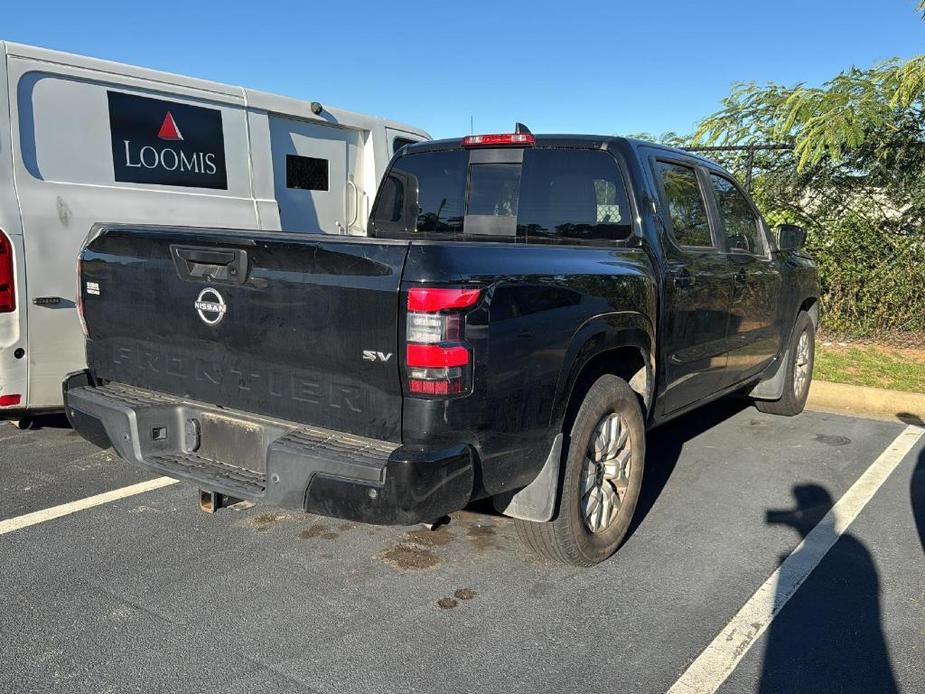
(596, 336)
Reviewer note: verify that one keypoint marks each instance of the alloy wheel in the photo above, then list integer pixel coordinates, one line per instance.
(801, 366)
(605, 476)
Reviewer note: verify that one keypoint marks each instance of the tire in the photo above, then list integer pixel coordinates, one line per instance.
(800, 360)
(609, 414)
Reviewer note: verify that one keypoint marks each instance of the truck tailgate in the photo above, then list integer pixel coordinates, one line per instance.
(298, 327)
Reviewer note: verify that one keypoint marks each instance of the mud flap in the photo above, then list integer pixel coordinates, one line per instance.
(772, 387)
(537, 501)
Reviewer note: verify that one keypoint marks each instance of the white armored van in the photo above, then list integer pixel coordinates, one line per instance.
(85, 141)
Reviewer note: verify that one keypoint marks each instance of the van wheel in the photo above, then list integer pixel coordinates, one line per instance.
(799, 373)
(601, 479)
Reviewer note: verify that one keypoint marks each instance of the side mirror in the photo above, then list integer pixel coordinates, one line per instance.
(789, 237)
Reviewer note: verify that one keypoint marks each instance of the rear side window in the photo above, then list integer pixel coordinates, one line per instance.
(552, 196)
(690, 225)
(571, 195)
(434, 184)
(743, 230)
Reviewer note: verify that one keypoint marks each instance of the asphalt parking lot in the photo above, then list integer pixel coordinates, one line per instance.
(149, 594)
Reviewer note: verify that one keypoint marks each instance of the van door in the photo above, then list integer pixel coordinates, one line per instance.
(316, 172)
(94, 146)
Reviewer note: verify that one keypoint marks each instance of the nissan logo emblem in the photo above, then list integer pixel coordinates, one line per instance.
(210, 306)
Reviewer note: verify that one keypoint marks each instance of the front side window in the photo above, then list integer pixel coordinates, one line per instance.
(743, 229)
(690, 224)
(553, 196)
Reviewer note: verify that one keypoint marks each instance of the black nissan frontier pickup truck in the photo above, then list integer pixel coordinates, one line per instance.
(524, 309)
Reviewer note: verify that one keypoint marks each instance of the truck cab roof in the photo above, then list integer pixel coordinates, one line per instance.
(567, 140)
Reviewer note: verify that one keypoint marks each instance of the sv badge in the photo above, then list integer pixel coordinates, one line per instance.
(369, 355)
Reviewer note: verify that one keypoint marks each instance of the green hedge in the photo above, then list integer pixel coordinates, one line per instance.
(872, 282)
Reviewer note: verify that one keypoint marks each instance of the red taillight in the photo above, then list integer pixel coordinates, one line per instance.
(436, 357)
(9, 400)
(430, 300)
(437, 360)
(441, 387)
(516, 139)
(7, 276)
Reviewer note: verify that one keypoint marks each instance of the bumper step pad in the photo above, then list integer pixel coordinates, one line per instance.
(210, 473)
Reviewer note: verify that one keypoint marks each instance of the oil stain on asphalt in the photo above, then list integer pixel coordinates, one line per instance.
(461, 594)
(408, 556)
(415, 551)
(832, 440)
(318, 530)
(265, 521)
(481, 537)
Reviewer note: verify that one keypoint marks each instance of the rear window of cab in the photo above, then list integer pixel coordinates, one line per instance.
(552, 196)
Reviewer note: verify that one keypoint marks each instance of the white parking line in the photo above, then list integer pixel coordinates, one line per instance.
(36, 517)
(717, 661)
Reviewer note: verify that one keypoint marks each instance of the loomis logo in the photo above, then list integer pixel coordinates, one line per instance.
(166, 142)
(169, 129)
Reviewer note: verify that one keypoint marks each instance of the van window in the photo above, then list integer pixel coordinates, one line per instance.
(306, 173)
(690, 225)
(554, 196)
(400, 142)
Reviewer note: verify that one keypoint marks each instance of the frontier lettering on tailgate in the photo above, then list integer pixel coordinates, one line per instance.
(165, 142)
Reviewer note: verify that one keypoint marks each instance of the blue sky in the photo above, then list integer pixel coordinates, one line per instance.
(595, 67)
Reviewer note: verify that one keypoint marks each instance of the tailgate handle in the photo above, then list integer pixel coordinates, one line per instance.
(221, 265)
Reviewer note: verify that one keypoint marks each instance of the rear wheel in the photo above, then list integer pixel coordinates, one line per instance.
(601, 480)
(799, 374)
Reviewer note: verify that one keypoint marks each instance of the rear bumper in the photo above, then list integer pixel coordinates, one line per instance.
(292, 466)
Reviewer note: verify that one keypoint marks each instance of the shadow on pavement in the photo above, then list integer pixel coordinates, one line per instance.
(663, 450)
(664, 445)
(917, 495)
(42, 421)
(829, 636)
(917, 483)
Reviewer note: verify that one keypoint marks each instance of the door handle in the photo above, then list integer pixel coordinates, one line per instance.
(356, 203)
(47, 300)
(228, 265)
(741, 277)
(682, 278)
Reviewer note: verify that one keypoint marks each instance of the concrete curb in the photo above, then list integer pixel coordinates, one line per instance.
(839, 397)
